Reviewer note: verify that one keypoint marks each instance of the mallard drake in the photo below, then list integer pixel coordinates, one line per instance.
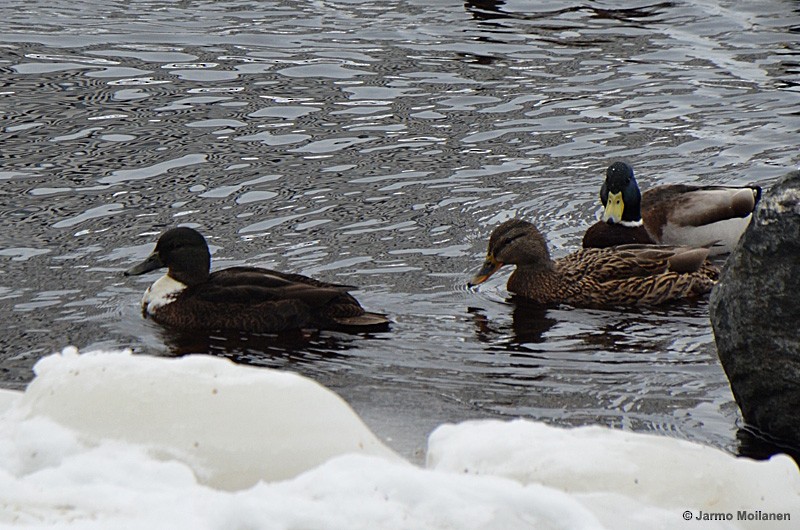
(625, 275)
(673, 214)
(248, 299)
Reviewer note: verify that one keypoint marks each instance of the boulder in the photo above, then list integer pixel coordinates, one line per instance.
(755, 312)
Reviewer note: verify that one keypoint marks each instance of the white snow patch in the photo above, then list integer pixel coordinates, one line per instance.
(114, 440)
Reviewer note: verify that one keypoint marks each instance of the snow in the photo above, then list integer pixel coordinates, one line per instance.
(113, 440)
(599, 466)
(234, 425)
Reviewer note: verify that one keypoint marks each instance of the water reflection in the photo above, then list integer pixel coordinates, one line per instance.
(486, 9)
(494, 9)
(273, 350)
(529, 325)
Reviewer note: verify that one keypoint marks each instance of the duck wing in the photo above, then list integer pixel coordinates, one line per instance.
(636, 275)
(324, 304)
(268, 278)
(632, 261)
(252, 285)
(683, 214)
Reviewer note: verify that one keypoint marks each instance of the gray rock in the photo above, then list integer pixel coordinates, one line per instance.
(755, 312)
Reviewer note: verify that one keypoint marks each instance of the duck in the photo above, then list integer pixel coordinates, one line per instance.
(249, 299)
(624, 275)
(672, 214)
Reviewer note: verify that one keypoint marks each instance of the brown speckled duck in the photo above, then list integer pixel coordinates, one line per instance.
(252, 299)
(673, 214)
(628, 275)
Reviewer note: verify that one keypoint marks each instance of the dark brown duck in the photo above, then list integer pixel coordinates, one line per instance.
(248, 299)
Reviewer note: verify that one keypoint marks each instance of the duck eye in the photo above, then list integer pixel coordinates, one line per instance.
(507, 241)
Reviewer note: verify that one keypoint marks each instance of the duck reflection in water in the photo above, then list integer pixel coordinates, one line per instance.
(485, 9)
(264, 349)
(529, 324)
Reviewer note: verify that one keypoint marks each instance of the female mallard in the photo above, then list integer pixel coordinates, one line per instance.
(240, 298)
(597, 277)
(674, 214)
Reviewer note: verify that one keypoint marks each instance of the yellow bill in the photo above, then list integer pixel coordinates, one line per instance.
(489, 267)
(614, 208)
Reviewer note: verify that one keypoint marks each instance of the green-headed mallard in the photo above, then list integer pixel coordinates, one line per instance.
(248, 299)
(673, 214)
(626, 275)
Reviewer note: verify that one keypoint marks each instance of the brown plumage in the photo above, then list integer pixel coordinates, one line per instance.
(627, 275)
(603, 234)
(673, 214)
(250, 299)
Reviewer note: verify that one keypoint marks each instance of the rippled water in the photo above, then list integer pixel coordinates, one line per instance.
(377, 143)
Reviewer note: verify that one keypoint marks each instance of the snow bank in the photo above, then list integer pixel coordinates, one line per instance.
(602, 466)
(234, 424)
(113, 440)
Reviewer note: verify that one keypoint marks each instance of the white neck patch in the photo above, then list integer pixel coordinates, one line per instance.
(631, 224)
(161, 293)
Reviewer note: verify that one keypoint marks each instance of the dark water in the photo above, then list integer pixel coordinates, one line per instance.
(378, 143)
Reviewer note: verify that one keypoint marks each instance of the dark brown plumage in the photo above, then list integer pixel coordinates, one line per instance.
(627, 275)
(603, 235)
(241, 298)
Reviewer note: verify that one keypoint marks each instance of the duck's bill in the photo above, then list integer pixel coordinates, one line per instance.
(489, 267)
(152, 263)
(614, 208)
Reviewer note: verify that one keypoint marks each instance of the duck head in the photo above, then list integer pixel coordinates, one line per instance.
(514, 242)
(620, 195)
(183, 251)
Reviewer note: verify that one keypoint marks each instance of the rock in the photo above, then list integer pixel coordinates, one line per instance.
(755, 312)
